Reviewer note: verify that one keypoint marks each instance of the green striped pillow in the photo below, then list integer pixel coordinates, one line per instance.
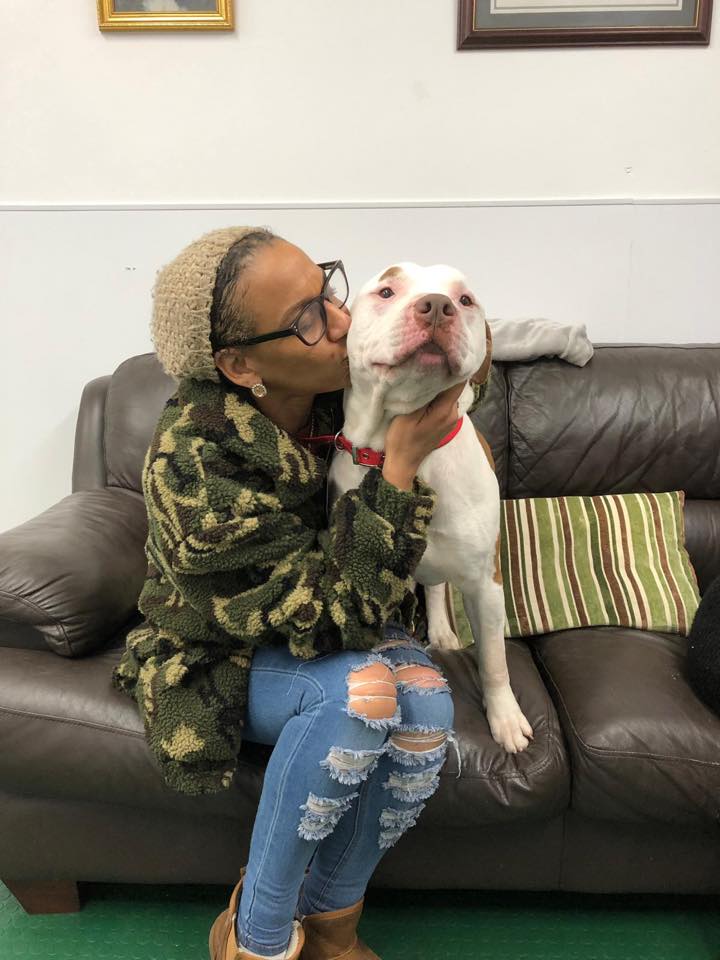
(617, 560)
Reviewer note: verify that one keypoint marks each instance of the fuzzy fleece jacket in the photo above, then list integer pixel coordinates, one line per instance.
(240, 554)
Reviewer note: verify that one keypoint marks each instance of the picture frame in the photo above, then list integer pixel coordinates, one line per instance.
(165, 14)
(563, 23)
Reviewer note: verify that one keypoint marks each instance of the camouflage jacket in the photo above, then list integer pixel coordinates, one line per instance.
(239, 554)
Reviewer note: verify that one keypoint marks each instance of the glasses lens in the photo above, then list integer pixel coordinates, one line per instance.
(311, 325)
(336, 288)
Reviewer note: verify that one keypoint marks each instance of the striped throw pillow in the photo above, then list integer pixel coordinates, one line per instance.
(615, 560)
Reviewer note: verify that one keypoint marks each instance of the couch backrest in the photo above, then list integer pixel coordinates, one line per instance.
(634, 418)
(115, 426)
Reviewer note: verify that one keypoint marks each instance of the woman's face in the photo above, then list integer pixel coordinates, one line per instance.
(274, 286)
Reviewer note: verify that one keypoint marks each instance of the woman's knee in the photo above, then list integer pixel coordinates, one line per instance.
(363, 686)
(427, 720)
(424, 694)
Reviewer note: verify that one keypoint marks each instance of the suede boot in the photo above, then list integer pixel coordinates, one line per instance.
(332, 935)
(223, 941)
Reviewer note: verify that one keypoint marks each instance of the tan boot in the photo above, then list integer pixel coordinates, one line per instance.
(331, 935)
(223, 942)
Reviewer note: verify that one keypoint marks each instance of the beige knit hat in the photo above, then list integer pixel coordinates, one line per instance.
(182, 298)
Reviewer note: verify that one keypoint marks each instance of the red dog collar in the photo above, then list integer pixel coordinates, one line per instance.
(366, 456)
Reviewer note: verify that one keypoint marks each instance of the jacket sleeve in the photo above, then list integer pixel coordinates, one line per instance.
(527, 339)
(334, 588)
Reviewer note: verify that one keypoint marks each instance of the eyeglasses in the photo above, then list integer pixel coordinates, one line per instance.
(311, 323)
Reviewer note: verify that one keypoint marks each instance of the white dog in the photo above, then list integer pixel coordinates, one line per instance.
(416, 331)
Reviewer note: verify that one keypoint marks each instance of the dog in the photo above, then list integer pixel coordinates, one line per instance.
(416, 331)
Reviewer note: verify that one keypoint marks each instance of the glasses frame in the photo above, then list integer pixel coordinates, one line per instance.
(330, 266)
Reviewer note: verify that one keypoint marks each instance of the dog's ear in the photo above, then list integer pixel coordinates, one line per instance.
(481, 375)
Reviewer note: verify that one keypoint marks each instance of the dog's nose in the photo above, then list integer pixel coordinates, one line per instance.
(434, 306)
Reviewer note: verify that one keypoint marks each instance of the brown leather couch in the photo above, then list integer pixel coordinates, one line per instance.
(618, 791)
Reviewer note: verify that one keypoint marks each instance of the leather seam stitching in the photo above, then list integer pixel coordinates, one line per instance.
(80, 723)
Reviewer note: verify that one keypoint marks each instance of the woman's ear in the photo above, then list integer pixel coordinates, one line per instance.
(481, 375)
(236, 367)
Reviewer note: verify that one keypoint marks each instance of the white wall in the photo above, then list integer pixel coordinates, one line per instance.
(578, 184)
(337, 100)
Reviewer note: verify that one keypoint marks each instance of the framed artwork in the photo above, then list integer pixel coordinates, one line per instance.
(165, 14)
(581, 23)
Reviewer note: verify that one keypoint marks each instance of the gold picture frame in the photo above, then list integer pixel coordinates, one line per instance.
(165, 14)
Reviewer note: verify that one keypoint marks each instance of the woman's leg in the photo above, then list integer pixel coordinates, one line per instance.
(391, 798)
(323, 716)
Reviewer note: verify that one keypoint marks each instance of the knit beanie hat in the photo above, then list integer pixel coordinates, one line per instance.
(182, 298)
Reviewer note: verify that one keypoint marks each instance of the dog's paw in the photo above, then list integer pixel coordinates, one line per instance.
(444, 640)
(508, 724)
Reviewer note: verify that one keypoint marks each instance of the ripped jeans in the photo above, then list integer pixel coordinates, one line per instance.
(359, 739)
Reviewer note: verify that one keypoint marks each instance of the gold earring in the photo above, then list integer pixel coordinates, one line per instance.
(259, 389)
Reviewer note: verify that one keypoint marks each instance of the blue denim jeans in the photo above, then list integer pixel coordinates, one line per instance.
(342, 783)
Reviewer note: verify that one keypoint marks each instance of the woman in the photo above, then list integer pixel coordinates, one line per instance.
(259, 625)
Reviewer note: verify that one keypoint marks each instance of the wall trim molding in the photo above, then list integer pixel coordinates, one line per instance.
(360, 204)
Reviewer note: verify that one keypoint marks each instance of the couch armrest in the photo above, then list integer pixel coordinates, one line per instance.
(73, 574)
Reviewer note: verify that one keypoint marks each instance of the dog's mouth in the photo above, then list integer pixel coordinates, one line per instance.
(428, 354)
(430, 357)
(430, 347)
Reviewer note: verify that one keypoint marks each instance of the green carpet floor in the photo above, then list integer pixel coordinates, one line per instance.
(138, 922)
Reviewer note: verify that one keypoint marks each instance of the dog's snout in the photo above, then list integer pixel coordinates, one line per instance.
(434, 306)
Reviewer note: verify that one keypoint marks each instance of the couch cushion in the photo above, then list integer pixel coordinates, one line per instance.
(497, 786)
(576, 561)
(643, 746)
(614, 560)
(66, 733)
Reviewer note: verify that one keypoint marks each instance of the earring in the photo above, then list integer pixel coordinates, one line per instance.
(259, 389)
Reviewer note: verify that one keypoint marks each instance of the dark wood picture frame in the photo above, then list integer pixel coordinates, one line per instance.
(690, 24)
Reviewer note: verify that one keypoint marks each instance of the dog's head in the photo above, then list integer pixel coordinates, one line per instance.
(416, 331)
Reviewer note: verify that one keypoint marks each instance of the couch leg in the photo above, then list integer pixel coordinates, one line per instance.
(45, 896)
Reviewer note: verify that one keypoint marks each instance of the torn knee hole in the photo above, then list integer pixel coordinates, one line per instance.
(395, 823)
(415, 747)
(351, 766)
(372, 691)
(412, 787)
(418, 741)
(417, 675)
(322, 814)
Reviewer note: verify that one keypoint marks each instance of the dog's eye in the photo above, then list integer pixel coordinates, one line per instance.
(465, 300)
(386, 293)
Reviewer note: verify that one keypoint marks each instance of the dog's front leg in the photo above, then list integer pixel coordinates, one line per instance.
(484, 605)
